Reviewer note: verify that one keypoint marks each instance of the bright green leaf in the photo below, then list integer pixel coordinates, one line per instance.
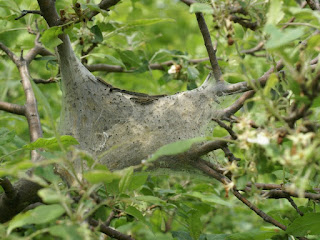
(65, 232)
(125, 180)
(100, 176)
(272, 81)
(50, 37)
(307, 224)
(279, 38)
(39, 215)
(201, 7)
(275, 13)
(51, 143)
(176, 147)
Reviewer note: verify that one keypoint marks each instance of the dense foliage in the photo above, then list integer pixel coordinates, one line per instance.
(276, 142)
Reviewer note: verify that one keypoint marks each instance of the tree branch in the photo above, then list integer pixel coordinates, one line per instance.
(207, 42)
(49, 12)
(10, 54)
(37, 49)
(152, 66)
(25, 12)
(105, 5)
(12, 108)
(313, 5)
(201, 165)
(238, 104)
(26, 195)
(283, 191)
(244, 86)
(109, 231)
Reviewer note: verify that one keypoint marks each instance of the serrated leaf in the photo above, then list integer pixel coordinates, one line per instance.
(201, 7)
(39, 215)
(52, 143)
(307, 224)
(125, 180)
(50, 37)
(275, 13)
(100, 176)
(176, 148)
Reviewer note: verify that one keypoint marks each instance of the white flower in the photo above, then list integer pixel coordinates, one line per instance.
(172, 69)
(261, 139)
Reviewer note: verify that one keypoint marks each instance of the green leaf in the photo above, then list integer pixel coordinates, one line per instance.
(6, 136)
(150, 199)
(252, 235)
(47, 172)
(193, 73)
(272, 81)
(275, 13)
(100, 176)
(176, 147)
(201, 7)
(145, 22)
(209, 198)
(126, 179)
(98, 38)
(137, 214)
(39, 215)
(195, 224)
(66, 232)
(181, 235)
(129, 58)
(52, 143)
(51, 196)
(138, 180)
(307, 224)
(280, 38)
(113, 60)
(50, 37)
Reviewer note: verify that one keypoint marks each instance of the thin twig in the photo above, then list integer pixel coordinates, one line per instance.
(25, 12)
(221, 178)
(226, 127)
(207, 42)
(294, 205)
(152, 66)
(10, 54)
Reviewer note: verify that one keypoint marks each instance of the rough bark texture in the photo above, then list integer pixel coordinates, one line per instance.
(121, 128)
